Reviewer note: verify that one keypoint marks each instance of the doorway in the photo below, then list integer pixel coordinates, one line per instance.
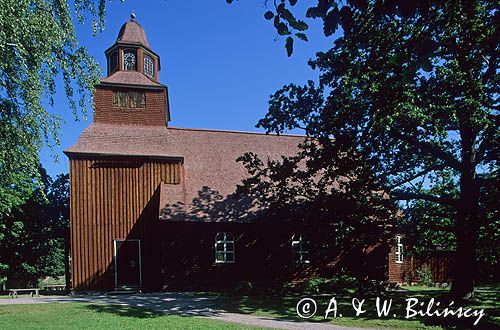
(128, 270)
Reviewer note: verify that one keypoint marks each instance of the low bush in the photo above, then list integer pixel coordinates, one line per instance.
(243, 287)
(317, 285)
(424, 275)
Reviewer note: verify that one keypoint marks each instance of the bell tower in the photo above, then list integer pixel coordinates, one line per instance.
(131, 93)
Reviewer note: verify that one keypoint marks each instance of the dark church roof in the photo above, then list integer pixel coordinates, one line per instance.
(132, 33)
(209, 156)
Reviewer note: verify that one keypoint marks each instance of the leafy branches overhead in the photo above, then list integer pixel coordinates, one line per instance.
(408, 122)
(38, 43)
(407, 96)
(334, 14)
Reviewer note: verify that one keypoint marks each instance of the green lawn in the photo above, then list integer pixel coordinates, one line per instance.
(284, 307)
(93, 316)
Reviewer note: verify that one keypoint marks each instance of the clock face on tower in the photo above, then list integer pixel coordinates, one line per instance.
(129, 60)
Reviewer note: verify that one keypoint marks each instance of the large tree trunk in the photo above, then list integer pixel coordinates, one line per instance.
(467, 226)
(465, 259)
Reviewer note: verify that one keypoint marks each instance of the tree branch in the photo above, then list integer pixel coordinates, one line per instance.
(404, 195)
(430, 149)
(415, 176)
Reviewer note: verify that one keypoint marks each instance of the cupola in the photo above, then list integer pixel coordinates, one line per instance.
(131, 93)
(131, 52)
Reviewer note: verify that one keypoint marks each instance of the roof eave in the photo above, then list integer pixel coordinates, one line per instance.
(78, 154)
(113, 84)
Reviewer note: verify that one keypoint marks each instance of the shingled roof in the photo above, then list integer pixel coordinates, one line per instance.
(132, 33)
(130, 78)
(211, 172)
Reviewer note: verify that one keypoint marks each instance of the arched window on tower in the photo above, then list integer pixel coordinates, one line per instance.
(113, 62)
(149, 66)
(129, 60)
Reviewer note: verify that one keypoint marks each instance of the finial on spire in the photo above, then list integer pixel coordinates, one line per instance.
(132, 15)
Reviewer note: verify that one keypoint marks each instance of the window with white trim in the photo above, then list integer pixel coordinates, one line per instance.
(149, 66)
(300, 248)
(399, 249)
(224, 248)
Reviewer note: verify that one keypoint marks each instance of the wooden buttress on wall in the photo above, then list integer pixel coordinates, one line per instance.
(111, 199)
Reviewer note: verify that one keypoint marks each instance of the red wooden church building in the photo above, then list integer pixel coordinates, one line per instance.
(151, 205)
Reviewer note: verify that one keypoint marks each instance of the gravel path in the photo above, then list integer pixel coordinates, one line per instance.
(187, 304)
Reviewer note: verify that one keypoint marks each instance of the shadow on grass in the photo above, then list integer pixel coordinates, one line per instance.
(126, 311)
(284, 307)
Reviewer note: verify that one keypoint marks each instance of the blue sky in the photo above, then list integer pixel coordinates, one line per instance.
(221, 62)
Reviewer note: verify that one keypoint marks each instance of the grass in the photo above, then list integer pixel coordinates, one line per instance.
(90, 316)
(284, 307)
(94, 316)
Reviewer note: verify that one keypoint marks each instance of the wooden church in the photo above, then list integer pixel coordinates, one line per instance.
(151, 205)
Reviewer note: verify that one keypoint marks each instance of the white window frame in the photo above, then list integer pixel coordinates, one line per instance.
(148, 60)
(399, 249)
(224, 240)
(299, 250)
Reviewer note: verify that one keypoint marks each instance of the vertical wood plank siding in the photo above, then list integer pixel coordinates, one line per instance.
(440, 263)
(108, 200)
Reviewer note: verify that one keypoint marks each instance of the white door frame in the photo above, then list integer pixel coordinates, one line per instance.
(115, 262)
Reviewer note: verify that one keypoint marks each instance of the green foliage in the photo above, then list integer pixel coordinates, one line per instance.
(35, 234)
(340, 283)
(313, 285)
(336, 14)
(38, 44)
(407, 103)
(424, 275)
(430, 227)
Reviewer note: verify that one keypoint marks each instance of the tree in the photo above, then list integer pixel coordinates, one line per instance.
(429, 227)
(58, 219)
(37, 234)
(37, 44)
(411, 89)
